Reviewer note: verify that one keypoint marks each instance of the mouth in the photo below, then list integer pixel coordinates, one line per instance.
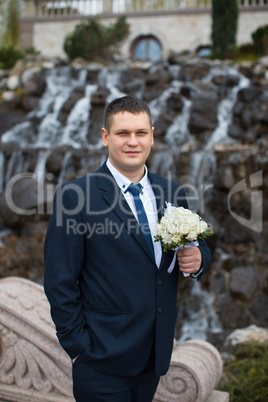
(132, 153)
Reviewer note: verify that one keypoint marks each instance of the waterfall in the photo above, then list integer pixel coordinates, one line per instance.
(202, 163)
(109, 78)
(76, 128)
(14, 165)
(2, 171)
(46, 134)
(178, 133)
(201, 318)
(225, 112)
(66, 163)
(40, 168)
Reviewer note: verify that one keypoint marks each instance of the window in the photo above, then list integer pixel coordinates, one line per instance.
(146, 48)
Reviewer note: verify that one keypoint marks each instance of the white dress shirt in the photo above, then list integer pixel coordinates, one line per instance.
(148, 199)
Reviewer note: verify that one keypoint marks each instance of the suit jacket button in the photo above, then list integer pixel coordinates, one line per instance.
(159, 310)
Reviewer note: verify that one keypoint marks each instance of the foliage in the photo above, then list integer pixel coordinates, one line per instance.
(260, 39)
(11, 33)
(224, 26)
(246, 378)
(9, 56)
(95, 42)
(31, 50)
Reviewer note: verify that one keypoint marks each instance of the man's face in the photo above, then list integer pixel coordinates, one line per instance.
(129, 142)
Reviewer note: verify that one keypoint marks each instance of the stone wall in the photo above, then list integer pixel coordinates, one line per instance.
(176, 31)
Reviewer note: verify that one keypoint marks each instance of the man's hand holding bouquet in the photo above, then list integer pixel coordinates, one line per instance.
(179, 229)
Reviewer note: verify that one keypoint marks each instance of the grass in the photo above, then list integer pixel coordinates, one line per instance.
(246, 378)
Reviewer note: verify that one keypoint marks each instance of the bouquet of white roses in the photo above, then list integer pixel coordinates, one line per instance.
(180, 227)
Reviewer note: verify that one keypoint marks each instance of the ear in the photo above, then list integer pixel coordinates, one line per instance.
(152, 140)
(104, 134)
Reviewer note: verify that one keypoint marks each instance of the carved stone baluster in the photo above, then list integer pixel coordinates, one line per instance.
(34, 367)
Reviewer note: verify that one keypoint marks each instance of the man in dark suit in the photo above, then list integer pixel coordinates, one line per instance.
(111, 288)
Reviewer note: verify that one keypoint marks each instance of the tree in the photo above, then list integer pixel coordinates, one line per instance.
(11, 33)
(224, 26)
(93, 41)
(260, 39)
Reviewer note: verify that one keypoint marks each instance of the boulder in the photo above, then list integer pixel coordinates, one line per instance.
(203, 115)
(244, 282)
(248, 334)
(77, 94)
(13, 82)
(33, 82)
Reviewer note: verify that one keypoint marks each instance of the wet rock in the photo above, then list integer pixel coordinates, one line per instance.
(33, 82)
(226, 80)
(243, 282)
(203, 115)
(21, 202)
(76, 95)
(232, 313)
(10, 96)
(249, 94)
(258, 308)
(194, 71)
(175, 104)
(29, 103)
(132, 81)
(9, 117)
(156, 82)
(54, 163)
(13, 82)
(99, 97)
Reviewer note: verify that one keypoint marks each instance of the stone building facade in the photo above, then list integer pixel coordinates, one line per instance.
(160, 26)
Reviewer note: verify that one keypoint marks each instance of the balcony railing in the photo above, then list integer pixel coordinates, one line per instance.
(61, 8)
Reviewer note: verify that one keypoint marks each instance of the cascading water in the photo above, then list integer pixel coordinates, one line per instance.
(203, 162)
(200, 318)
(42, 133)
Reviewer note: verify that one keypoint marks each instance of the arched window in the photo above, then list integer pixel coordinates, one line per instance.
(145, 48)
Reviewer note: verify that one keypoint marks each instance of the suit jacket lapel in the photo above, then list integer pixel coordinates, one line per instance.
(114, 197)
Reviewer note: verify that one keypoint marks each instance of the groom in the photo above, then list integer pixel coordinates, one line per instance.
(112, 298)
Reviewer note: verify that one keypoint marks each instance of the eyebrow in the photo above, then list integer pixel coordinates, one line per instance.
(126, 129)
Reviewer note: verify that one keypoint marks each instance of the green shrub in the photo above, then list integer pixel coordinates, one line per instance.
(95, 42)
(9, 56)
(224, 26)
(246, 378)
(260, 39)
(31, 50)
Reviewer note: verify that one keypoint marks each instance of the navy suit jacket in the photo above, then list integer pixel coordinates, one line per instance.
(109, 301)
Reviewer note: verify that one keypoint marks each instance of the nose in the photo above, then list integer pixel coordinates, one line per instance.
(132, 140)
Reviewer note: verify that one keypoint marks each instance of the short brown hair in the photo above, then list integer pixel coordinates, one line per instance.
(127, 103)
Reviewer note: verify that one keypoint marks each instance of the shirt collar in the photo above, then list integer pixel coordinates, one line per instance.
(122, 181)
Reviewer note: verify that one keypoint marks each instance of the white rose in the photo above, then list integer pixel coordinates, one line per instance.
(184, 228)
(192, 236)
(176, 239)
(202, 226)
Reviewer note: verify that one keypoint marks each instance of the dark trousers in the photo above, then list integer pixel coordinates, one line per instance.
(93, 386)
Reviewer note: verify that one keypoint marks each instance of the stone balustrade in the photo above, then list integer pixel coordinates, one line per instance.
(68, 8)
(33, 366)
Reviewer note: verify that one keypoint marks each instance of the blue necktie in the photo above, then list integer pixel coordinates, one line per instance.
(135, 190)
